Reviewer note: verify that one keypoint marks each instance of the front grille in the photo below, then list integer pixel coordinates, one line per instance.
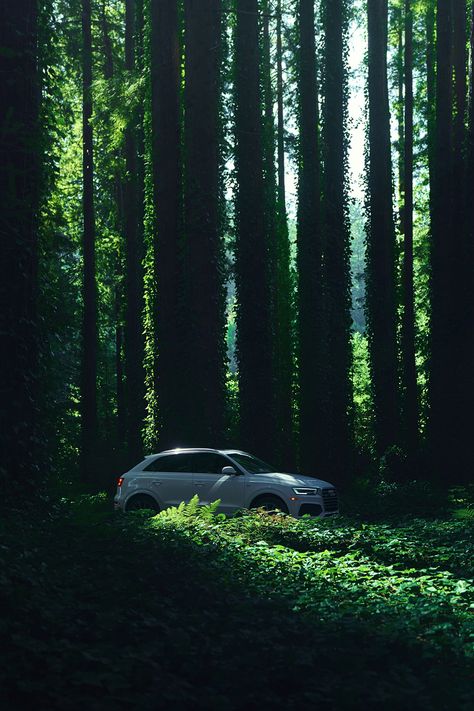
(330, 500)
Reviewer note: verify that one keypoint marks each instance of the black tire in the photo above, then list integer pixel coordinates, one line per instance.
(140, 502)
(269, 503)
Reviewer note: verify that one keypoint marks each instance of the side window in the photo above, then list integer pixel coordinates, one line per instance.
(177, 463)
(207, 463)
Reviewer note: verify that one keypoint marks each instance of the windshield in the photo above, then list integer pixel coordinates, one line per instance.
(252, 464)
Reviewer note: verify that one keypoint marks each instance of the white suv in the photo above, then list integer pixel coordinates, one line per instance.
(238, 479)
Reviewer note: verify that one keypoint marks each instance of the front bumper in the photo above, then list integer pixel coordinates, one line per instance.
(319, 506)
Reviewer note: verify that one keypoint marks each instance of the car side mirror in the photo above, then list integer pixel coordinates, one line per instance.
(229, 471)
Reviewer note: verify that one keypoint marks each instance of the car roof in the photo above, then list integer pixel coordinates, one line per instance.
(185, 450)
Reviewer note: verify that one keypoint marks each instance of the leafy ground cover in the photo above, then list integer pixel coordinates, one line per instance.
(195, 611)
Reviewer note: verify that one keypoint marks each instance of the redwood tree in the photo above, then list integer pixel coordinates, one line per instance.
(203, 244)
(278, 252)
(89, 290)
(443, 415)
(430, 21)
(381, 283)
(313, 402)
(133, 232)
(467, 374)
(166, 159)
(336, 260)
(451, 257)
(19, 184)
(409, 380)
(280, 110)
(254, 315)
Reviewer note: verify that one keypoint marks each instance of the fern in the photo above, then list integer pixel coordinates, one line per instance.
(212, 508)
(191, 510)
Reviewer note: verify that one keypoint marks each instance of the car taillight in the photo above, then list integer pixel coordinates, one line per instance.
(120, 481)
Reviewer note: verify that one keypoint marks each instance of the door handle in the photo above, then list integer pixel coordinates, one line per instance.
(156, 483)
(200, 483)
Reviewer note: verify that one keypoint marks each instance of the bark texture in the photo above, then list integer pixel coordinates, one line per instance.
(409, 378)
(254, 325)
(381, 284)
(19, 181)
(167, 176)
(336, 227)
(203, 248)
(89, 420)
(443, 330)
(313, 401)
(134, 253)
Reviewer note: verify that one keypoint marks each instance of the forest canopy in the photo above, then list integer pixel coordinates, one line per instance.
(238, 223)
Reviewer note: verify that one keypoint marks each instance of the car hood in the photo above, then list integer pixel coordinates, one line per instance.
(284, 479)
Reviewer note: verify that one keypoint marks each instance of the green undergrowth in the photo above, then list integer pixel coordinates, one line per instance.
(192, 610)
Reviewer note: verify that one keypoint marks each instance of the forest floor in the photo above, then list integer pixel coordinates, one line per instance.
(189, 610)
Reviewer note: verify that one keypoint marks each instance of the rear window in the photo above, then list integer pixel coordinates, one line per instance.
(178, 463)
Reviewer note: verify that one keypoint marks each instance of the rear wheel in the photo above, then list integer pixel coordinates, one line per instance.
(140, 502)
(271, 503)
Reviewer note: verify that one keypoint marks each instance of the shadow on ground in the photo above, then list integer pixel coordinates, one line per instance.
(103, 612)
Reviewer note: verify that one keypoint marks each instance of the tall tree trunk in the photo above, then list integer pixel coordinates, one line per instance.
(430, 21)
(467, 376)
(443, 417)
(140, 64)
(133, 231)
(430, 24)
(278, 258)
(280, 112)
(460, 63)
(336, 225)
(204, 275)
(409, 381)
(313, 400)
(89, 325)
(381, 283)
(254, 328)
(19, 181)
(460, 297)
(269, 172)
(166, 159)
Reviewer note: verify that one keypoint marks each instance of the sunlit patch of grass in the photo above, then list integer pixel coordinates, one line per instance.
(413, 578)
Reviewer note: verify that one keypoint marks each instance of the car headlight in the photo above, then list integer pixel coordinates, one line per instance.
(307, 491)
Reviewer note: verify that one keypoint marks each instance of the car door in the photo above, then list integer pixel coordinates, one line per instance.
(210, 484)
(170, 479)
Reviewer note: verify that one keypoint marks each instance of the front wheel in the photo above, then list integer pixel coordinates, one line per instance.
(269, 503)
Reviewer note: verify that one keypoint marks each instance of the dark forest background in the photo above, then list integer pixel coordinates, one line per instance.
(160, 288)
(187, 258)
